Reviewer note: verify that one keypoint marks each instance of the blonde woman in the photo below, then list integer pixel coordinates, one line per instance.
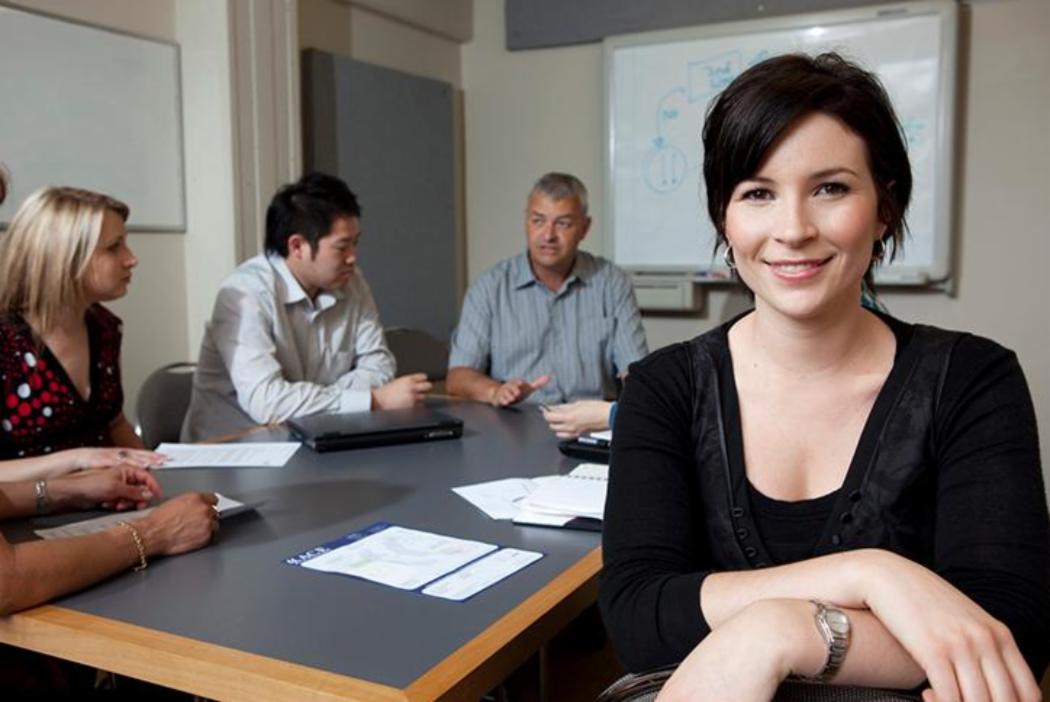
(61, 399)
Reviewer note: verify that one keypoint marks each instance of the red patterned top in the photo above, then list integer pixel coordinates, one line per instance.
(42, 410)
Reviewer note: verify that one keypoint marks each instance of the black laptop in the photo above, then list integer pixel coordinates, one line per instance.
(335, 432)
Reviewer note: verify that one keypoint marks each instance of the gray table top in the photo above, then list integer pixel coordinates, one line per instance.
(238, 592)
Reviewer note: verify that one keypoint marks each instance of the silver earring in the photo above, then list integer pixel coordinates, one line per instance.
(727, 256)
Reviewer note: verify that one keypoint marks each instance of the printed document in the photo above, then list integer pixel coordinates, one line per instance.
(273, 454)
(408, 559)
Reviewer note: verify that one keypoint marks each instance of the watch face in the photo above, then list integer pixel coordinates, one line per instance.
(837, 621)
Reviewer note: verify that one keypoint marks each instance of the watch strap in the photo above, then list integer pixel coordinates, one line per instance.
(834, 627)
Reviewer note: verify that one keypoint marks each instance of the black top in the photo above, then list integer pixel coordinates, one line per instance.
(946, 473)
(790, 529)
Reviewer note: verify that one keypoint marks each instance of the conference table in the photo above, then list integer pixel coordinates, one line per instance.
(234, 621)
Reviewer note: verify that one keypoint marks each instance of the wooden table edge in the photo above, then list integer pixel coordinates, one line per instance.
(179, 662)
(481, 663)
(205, 669)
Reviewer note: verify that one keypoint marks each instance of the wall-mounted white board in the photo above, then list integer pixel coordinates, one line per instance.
(659, 86)
(92, 108)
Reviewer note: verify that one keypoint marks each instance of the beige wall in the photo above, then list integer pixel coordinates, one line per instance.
(404, 35)
(532, 111)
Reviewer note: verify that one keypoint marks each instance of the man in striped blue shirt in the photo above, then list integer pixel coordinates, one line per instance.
(552, 324)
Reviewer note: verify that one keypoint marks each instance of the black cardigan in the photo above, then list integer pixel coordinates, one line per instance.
(946, 473)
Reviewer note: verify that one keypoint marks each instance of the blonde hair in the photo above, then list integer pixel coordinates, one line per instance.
(45, 252)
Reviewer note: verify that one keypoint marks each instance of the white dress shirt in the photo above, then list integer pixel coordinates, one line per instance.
(271, 353)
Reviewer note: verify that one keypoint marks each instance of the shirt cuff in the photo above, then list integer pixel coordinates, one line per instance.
(458, 357)
(355, 401)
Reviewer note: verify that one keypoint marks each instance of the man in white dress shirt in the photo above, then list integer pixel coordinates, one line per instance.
(295, 331)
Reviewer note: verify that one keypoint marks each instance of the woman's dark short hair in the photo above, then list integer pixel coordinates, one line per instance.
(749, 116)
(307, 207)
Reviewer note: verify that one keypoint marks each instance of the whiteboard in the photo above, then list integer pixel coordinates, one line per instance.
(91, 108)
(659, 86)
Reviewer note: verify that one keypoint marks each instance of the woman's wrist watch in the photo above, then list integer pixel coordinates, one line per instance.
(43, 500)
(834, 628)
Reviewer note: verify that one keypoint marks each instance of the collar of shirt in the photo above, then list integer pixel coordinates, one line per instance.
(294, 293)
(583, 269)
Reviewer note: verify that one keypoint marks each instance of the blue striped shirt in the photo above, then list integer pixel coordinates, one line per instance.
(583, 335)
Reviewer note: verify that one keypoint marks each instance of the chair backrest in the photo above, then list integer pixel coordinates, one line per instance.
(162, 403)
(645, 687)
(418, 352)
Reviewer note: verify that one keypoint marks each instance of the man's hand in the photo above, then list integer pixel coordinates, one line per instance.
(406, 391)
(515, 390)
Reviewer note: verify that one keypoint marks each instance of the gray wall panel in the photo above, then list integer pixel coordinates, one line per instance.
(390, 136)
(533, 24)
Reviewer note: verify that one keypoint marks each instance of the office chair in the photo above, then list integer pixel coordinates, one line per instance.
(416, 351)
(644, 687)
(162, 403)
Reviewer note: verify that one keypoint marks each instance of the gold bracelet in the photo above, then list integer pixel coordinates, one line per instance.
(138, 545)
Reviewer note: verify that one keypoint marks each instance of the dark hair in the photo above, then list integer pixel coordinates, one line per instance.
(307, 207)
(3, 185)
(749, 116)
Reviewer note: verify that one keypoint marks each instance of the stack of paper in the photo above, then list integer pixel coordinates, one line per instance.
(581, 493)
(553, 500)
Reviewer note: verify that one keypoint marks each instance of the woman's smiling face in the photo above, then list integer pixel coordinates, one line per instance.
(803, 227)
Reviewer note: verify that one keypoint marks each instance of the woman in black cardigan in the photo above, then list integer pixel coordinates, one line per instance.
(815, 489)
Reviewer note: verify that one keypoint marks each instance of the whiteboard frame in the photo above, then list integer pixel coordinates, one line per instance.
(180, 224)
(935, 274)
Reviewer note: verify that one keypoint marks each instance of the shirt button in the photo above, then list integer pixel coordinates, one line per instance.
(737, 512)
(750, 551)
(742, 533)
(846, 517)
(854, 496)
(836, 540)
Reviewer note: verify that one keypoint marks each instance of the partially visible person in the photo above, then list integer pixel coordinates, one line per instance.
(815, 488)
(34, 572)
(295, 330)
(553, 324)
(37, 571)
(64, 255)
(570, 420)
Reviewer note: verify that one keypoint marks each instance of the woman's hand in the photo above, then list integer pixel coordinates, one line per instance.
(749, 655)
(183, 523)
(122, 487)
(570, 420)
(967, 655)
(87, 458)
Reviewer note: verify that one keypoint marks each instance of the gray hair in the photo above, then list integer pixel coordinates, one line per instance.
(558, 186)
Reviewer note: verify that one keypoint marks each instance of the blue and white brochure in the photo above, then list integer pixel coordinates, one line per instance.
(408, 559)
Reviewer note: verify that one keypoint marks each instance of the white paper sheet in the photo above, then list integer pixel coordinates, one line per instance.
(403, 558)
(226, 508)
(481, 574)
(248, 455)
(499, 499)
